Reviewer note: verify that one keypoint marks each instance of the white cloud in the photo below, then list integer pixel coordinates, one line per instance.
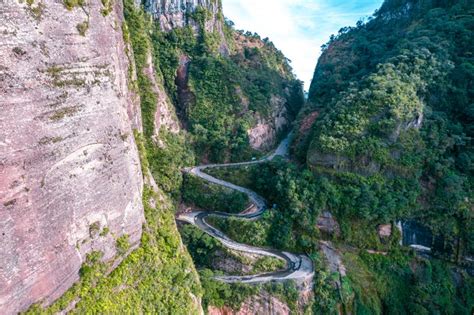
(297, 27)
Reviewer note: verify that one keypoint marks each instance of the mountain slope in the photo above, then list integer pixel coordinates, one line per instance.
(235, 93)
(118, 100)
(394, 97)
(69, 164)
(72, 187)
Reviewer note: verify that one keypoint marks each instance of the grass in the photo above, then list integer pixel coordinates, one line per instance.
(122, 244)
(107, 7)
(64, 112)
(82, 28)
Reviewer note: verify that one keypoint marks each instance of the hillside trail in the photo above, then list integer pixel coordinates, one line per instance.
(298, 267)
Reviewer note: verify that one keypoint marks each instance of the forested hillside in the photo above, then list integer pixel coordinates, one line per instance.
(206, 92)
(385, 137)
(395, 103)
(388, 129)
(224, 83)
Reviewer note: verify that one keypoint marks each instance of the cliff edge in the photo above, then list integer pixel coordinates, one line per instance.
(70, 177)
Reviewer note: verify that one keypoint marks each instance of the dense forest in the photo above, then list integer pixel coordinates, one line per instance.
(386, 136)
(403, 122)
(228, 84)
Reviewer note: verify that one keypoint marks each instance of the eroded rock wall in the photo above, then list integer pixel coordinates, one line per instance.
(70, 178)
(262, 303)
(176, 13)
(263, 135)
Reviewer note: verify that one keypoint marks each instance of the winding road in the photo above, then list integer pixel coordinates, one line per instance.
(299, 267)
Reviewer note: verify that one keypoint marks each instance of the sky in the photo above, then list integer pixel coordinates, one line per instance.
(298, 27)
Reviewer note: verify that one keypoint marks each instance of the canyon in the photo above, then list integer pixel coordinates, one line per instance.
(71, 177)
(140, 169)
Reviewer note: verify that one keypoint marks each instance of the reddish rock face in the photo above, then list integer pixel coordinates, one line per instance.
(384, 230)
(69, 166)
(260, 304)
(328, 224)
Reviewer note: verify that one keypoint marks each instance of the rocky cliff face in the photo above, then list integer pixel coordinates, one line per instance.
(177, 13)
(70, 178)
(259, 304)
(264, 134)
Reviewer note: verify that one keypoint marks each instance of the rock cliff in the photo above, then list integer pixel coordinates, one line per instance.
(262, 303)
(70, 178)
(178, 13)
(212, 71)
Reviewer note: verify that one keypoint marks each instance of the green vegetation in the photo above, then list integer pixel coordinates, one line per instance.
(94, 229)
(393, 99)
(408, 285)
(71, 4)
(240, 176)
(218, 96)
(122, 244)
(221, 294)
(207, 252)
(35, 11)
(166, 160)
(108, 7)
(233, 295)
(298, 198)
(375, 282)
(64, 112)
(244, 231)
(105, 231)
(212, 197)
(82, 28)
(267, 263)
(395, 119)
(157, 278)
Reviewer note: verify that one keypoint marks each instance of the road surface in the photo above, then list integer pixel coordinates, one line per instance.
(298, 267)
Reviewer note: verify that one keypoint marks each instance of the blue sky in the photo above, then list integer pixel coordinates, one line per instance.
(298, 27)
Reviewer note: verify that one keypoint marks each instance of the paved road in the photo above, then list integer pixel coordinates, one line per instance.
(299, 267)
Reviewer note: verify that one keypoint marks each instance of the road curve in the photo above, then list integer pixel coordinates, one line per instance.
(299, 267)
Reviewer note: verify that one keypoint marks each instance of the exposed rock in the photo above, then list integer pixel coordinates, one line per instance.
(308, 122)
(262, 303)
(327, 160)
(326, 223)
(229, 264)
(69, 166)
(177, 13)
(185, 95)
(306, 294)
(333, 258)
(264, 134)
(415, 123)
(235, 262)
(384, 230)
(165, 116)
